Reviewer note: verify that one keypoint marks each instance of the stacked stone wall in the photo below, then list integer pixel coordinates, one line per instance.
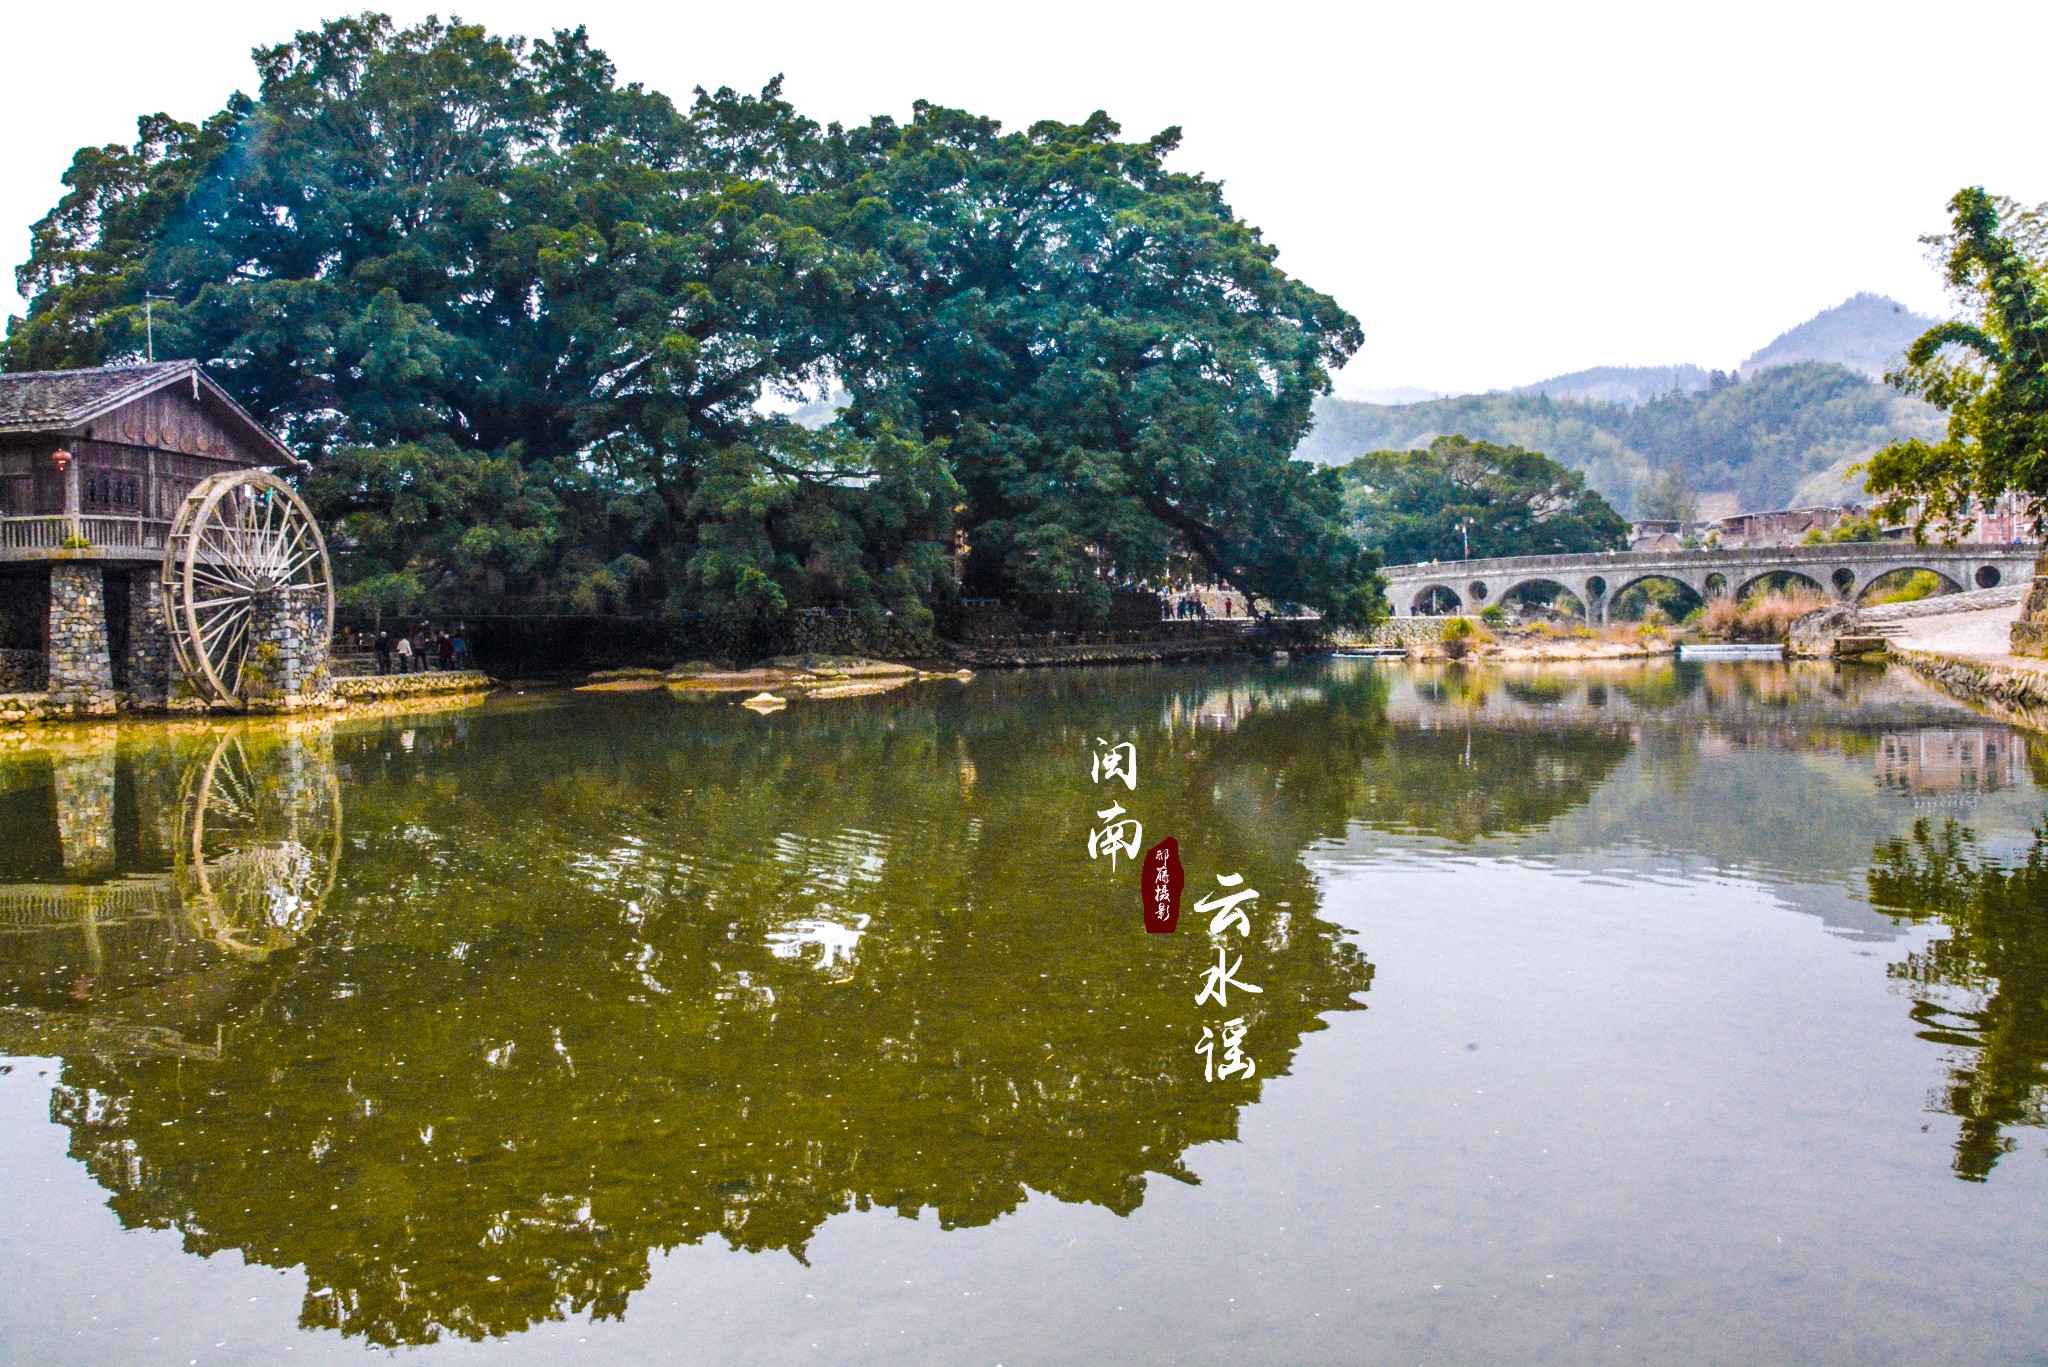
(287, 668)
(889, 639)
(149, 643)
(525, 647)
(80, 674)
(1402, 631)
(2030, 632)
(21, 671)
(373, 687)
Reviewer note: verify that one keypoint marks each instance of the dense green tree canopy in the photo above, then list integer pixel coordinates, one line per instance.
(1988, 370)
(476, 280)
(1412, 506)
(1667, 496)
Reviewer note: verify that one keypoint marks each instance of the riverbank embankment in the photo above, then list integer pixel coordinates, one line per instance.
(1962, 644)
(1430, 639)
(2011, 688)
(348, 693)
(363, 688)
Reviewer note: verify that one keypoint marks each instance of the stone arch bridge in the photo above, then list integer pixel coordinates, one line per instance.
(1838, 572)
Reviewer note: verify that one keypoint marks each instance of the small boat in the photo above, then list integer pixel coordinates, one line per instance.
(1767, 651)
(1372, 653)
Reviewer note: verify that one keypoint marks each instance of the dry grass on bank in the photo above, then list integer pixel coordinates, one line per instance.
(1765, 617)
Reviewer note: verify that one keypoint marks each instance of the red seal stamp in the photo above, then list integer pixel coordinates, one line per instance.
(1159, 884)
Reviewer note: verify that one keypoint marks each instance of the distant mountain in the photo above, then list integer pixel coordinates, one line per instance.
(1785, 435)
(1783, 431)
(1627, 385)
(1406, 393)
(1868, 333)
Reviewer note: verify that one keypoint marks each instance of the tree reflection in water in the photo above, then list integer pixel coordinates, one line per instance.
(1982, 991)
(599, 981)
(603, 979)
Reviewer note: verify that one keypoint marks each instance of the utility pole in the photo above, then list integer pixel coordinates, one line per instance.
(149, 321)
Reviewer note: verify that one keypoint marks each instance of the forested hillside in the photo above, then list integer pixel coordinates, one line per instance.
(1627, 385)
(1784, 436)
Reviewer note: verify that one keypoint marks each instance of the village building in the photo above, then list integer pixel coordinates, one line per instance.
(130, 495)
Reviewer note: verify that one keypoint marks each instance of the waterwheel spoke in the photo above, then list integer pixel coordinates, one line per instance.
(234, 650)
(311, 556)
(214, 629)
(216, 579)
(228, 550)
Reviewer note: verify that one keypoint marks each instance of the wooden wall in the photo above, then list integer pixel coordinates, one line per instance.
(147, 455)
(171, 420)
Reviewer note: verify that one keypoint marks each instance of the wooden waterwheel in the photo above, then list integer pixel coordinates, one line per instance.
(239, 537)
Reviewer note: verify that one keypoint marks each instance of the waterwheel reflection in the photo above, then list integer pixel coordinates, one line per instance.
(259, 842)
(142, 920)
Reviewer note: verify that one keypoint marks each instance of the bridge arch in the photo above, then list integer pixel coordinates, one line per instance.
(1780, 579)
(1627, 596)
(1435, 600)
(1891, 577)
(1545, 591)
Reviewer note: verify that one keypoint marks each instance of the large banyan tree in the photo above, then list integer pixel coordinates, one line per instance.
(530, 327)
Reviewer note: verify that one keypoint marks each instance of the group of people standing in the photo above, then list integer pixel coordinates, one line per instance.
(421, 649)
(1194, 605)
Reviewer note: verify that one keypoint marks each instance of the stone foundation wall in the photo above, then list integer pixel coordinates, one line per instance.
(525, 647)
(149, 642)
(21, 671)
(40, 706)
(887, 640)
(373, 687)
(81, 677)
(2030, 632)
(1398, 631)
(1050, 652)
(287, 667)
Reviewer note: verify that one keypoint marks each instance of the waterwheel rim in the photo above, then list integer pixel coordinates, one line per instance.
(237, 537)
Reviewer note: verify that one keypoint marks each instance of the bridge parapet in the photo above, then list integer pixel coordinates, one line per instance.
(1839, 572)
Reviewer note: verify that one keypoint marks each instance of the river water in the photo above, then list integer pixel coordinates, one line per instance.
(1652, 1013)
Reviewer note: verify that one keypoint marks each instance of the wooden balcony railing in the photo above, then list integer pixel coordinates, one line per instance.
(87, 531)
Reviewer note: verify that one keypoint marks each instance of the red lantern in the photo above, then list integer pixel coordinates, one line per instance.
(63, 458)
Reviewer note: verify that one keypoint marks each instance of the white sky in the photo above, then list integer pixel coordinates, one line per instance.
(1498, 192)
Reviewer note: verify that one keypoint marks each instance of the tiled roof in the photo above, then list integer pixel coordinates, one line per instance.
(59, 400)
(63, 398)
